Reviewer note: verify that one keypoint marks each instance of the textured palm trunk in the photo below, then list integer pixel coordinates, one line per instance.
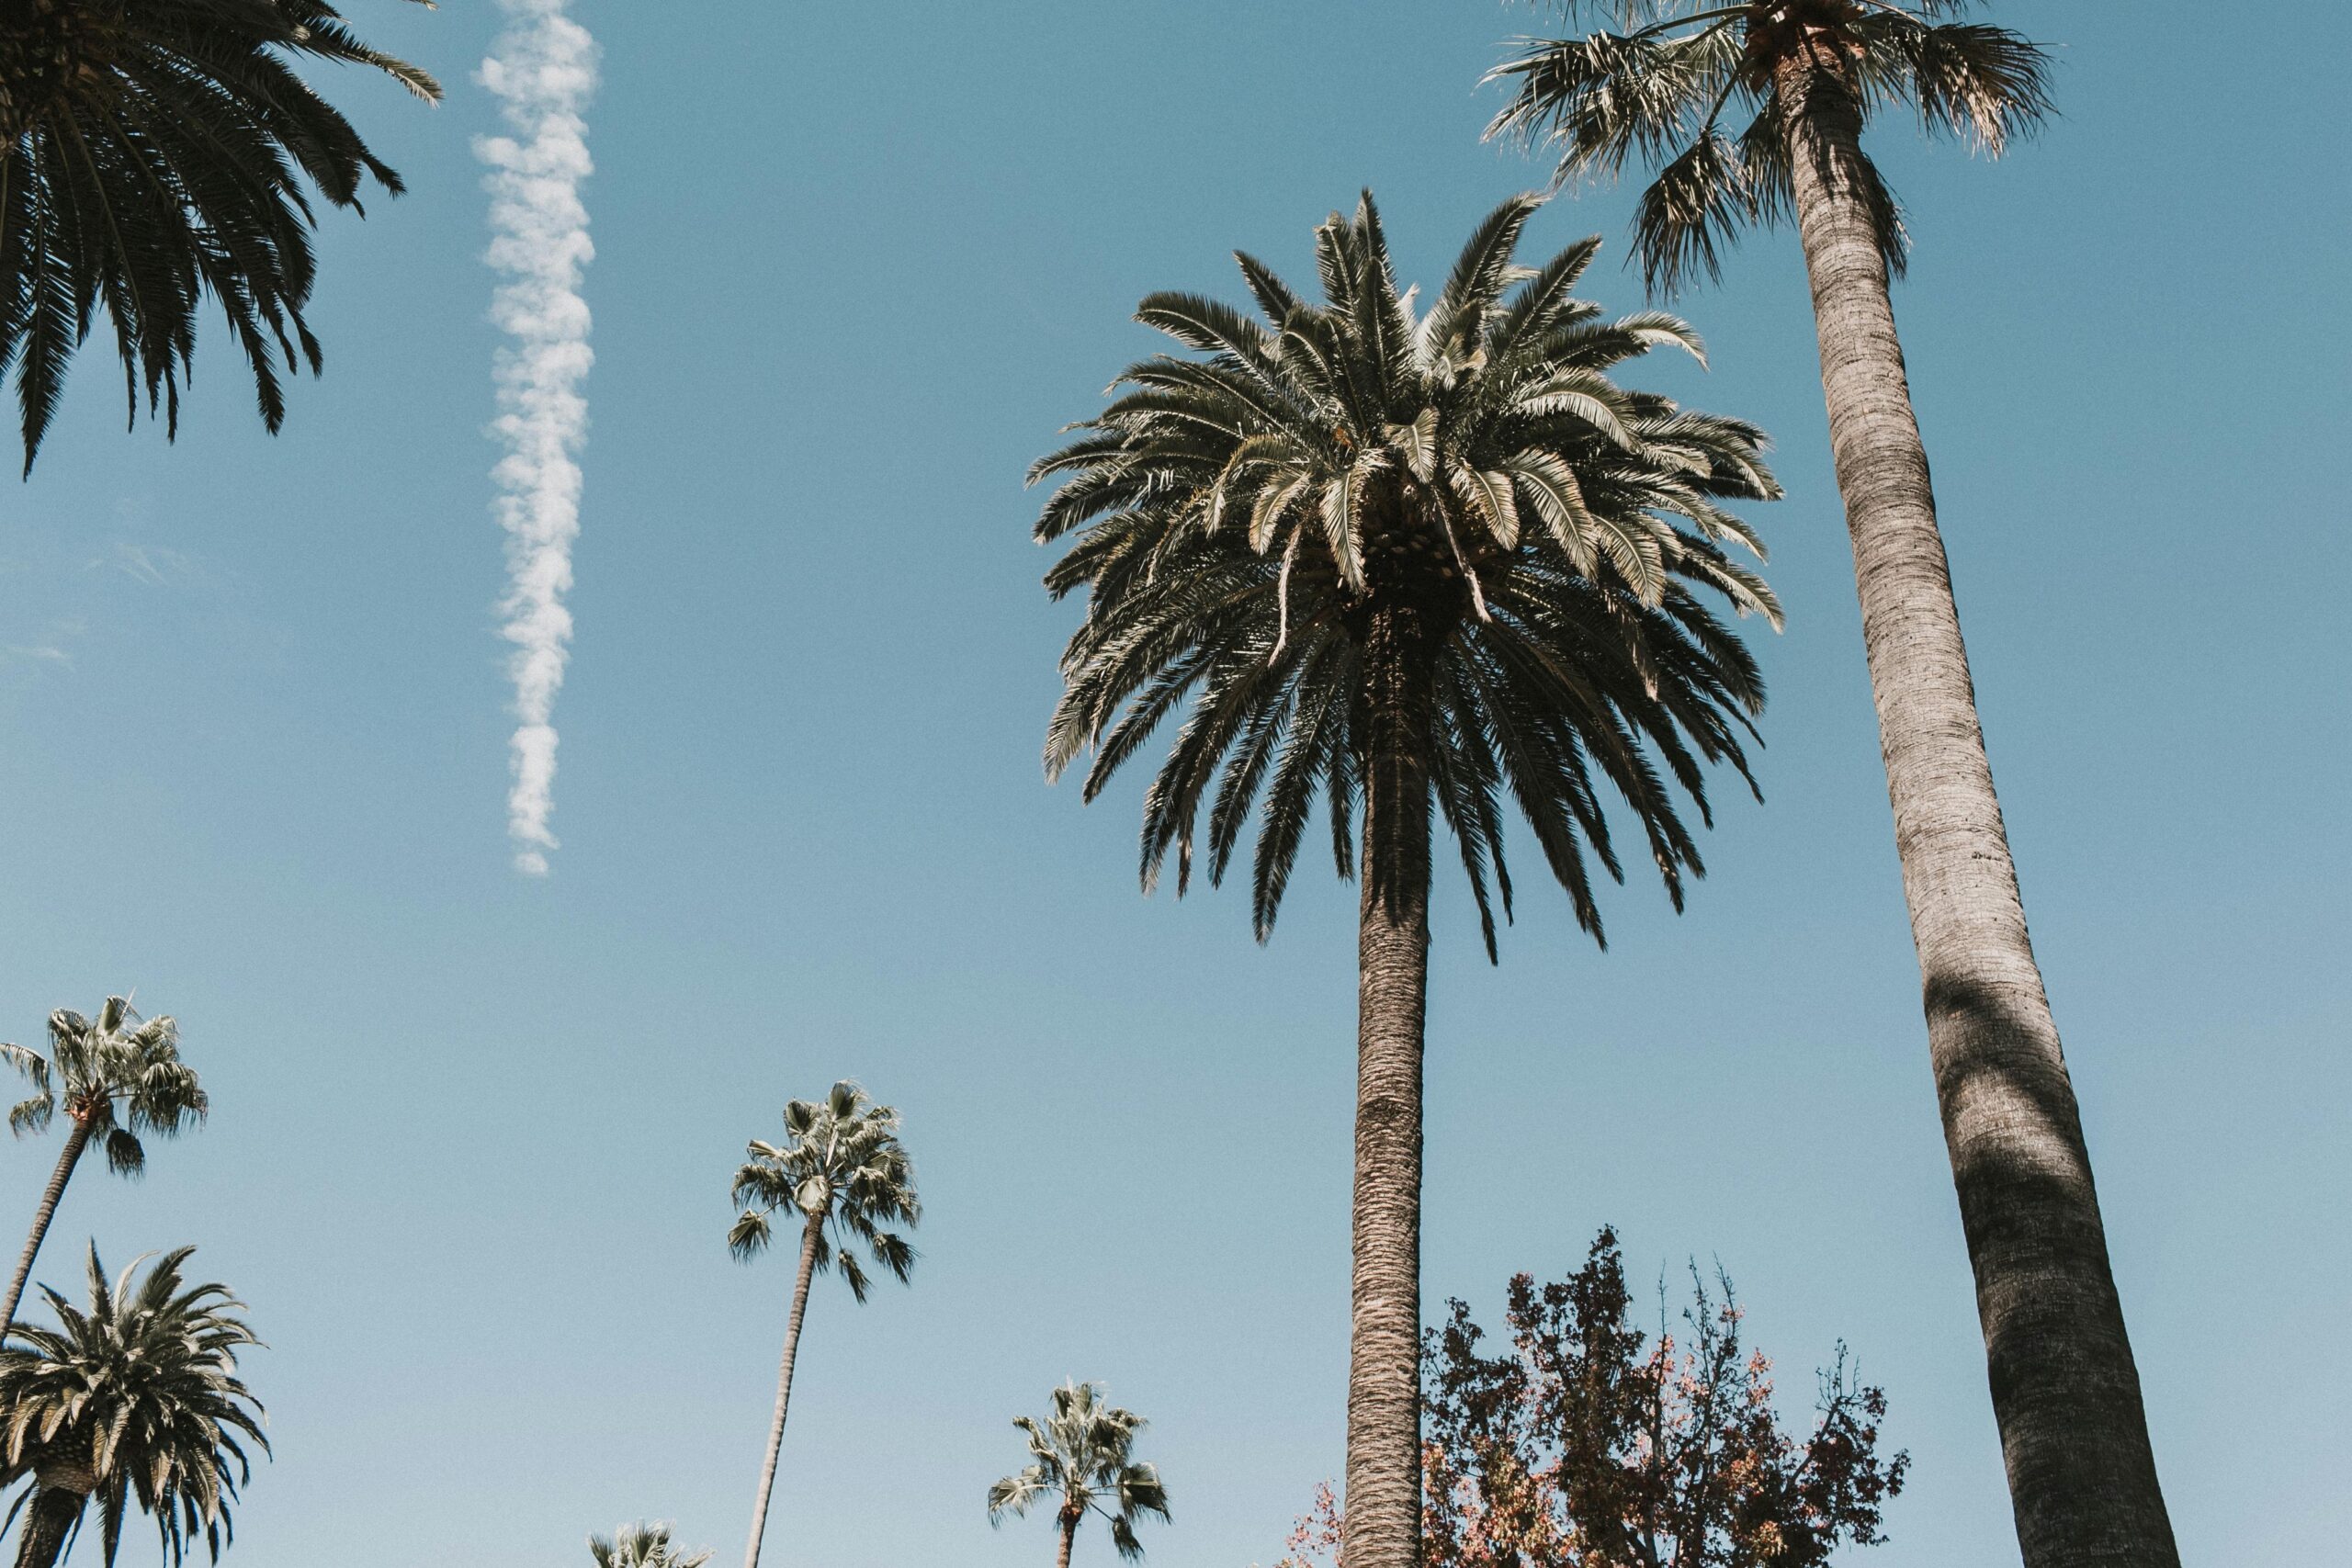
(77, 1138)
(48, 1524)
(1068, 1522)
(809, 1236)
(2075, 1439)
(1382, 1525)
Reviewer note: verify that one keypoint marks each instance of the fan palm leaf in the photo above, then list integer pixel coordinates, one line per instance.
(1081, 1459)
(117, 1076)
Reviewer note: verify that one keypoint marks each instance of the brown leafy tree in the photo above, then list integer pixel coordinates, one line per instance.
(1589, 1444)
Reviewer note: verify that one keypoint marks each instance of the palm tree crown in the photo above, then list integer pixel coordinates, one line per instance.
(117, 1074)
(134, 1400)
(1081, 1454)
(844, 1170)
(643, 1546)
(1659, 90)
(1251, 523)
(152, 154)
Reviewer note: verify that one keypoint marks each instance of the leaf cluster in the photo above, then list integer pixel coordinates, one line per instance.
(117, 1074)
(1083, 1454)
(1241, 517)
(152, 152)
(140, 1392)
(842, 1169)
(643, 1546)
(1587, 1443)
(1701, 93)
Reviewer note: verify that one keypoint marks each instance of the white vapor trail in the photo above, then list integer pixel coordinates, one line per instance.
(543, 71)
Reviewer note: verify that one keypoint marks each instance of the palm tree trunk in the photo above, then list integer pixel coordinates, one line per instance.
(1068, 1523)
(808, 1237)
(1380, 1526)
(2065, 1392)
(48, 1524)
(77, 1138)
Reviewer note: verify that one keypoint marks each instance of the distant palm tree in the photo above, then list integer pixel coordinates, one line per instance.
(843, 1172)
(117, 1075)
(2082, 1475)
(1399, 559)
(135, 1401)
(641, 1546)
(1081, 1456)
(152, 154)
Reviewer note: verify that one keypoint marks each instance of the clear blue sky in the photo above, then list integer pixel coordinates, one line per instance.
(856, 264)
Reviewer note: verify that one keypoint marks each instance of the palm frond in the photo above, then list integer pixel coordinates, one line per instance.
(1479, 464)
(1655, 92)
(152, 155)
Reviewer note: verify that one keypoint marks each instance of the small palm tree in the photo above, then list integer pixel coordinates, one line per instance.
(843, 1172)
(133, 1400)
(1406, 560)
(1806, 75)
(1079, 1457)
(641, 1546)
(117, 1076)
(149, 156)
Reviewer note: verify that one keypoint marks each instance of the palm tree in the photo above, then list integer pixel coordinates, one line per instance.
(1079, 1455)
(148, 155)
(843, 1172)
(118, 1075)
(1397, 558)
(2082, 1476)
(135, 1400)
(641, 1546)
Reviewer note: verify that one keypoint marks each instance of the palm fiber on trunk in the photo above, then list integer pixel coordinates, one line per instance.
(1382, 1522)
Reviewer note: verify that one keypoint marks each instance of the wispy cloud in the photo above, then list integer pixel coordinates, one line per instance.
(543, 71)
(157, 566)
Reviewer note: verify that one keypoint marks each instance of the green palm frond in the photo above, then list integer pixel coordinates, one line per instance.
(153, 153)
(119, 1074)
(1692, 92)
(1478, 462)
(840, 1168)
(141, 1390)
(1083, 1455)
(641, 1546)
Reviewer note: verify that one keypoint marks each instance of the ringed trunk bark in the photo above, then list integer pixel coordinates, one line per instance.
(809, 1236)
(1380, 1526)
(77, 1138)
(48, 1524)
(2066, 1392)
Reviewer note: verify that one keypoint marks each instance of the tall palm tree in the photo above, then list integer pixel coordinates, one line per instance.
(843, 1173)
(2082, 1476)
(641, 1546)
(117, 1075)
(135, 1400)
(1396, 559)
(152, 152)
(1081, 1456)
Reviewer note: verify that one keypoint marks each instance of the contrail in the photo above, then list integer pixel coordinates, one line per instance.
(543, 71)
